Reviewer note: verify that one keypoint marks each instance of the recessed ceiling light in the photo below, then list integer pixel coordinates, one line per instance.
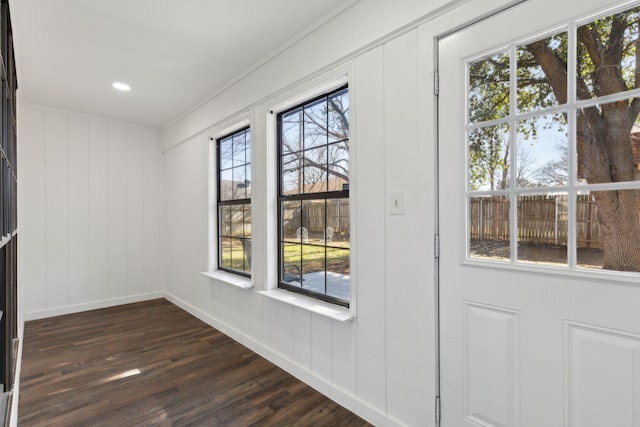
(121, 86)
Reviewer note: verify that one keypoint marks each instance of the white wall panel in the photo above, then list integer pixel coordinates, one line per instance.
(83, 197)
(270, 323)
(403, 305)
(302, 337)
(134, 138)
(322, 346)
(344, 356)
(79, 223)
(32, 263)
(285, 330)
(117, 211)
(99, 209)
(370, 259)
(57, 209)
(152, 213)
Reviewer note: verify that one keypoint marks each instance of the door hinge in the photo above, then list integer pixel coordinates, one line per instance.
(436, 83)
(436, 246)
(438, 413)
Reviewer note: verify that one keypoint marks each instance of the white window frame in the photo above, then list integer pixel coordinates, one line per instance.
(301, 93)
(221, 130)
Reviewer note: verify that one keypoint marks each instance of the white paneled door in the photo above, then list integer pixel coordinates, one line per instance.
(539, 154)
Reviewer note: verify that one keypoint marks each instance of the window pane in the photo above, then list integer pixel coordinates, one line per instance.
(291, 269)
(315, 170)
(338, 166)
(224, 219)
(313, 221)
(247, 181)
(226, 250)
(247, 147)
(543, 229)
(313, 267)
(237, 255)
(338, 116)
(232, 254)
(590, 247)
(338, 273)
(246, 255)
(291, 221)
(315, 124)
(239, 183)
(608, 142)
(489, 228)
(226, 153)
(247, 221)
(338, 230)
(489, 88)
(291, 174)
(291, 128)
(226, 185)
(608, 230)
(489, 158)
(606, 62)
(237, 220)
(239, 149)
(535, 92)
(542, 151)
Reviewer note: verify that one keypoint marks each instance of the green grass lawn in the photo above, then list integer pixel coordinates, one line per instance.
(311, 256)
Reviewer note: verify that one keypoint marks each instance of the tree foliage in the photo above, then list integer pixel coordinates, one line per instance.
(315, 145)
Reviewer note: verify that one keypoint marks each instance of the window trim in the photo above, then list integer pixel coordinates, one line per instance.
(281, 286)
(222, 128)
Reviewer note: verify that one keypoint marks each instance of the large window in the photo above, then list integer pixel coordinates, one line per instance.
(553, 133)
(314, 229)
(234, 202)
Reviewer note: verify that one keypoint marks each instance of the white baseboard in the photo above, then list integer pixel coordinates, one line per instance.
(70, 309)
(344, 398)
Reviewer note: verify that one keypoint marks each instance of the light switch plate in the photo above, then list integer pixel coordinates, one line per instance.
(396, 203)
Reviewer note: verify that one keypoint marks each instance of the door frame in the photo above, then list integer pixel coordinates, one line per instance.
(436, 105)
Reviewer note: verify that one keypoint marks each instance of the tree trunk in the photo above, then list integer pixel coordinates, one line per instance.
(619, 213)
(604, 156)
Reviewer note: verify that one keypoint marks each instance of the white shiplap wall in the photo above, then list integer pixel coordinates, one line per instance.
(382, 364)
(90, 212)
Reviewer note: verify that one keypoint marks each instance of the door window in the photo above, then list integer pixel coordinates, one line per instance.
(553, 149)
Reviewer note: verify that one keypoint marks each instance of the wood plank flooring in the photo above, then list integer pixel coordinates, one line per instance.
(153, 364)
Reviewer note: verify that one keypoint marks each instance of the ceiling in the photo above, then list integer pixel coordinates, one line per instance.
(173, 54)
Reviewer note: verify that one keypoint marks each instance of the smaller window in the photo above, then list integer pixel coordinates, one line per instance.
(233, 155)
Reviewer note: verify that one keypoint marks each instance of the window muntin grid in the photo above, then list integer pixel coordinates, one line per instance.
(537, 112)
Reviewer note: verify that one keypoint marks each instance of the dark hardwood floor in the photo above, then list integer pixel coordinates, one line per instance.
(153, 364)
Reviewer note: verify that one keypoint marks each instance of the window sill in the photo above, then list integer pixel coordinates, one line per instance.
(311, 304)
(229, 279)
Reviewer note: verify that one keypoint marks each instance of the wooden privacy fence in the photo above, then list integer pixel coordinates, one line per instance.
(541, 219)
(314, 217)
